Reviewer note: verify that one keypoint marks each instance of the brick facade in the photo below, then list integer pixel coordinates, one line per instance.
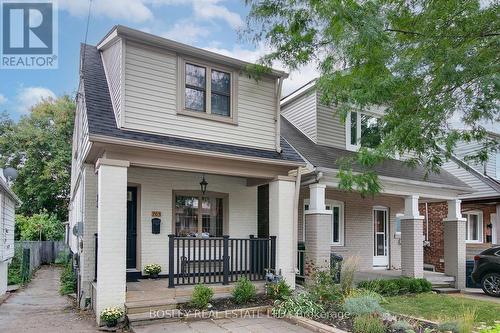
(437, 211)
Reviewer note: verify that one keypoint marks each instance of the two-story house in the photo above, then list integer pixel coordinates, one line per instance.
(182, 159)
(481, 208)
(386, 231)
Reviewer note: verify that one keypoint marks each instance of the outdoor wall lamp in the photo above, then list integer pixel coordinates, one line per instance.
(203, 185)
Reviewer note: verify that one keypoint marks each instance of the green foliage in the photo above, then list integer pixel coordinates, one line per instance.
(490, 329)
(39, 227)
(395, 287)
(62, 258)
(362, 305)
(111, 314)
(323, 288)
(39, 147)
(349, 268)
(152, 269)
(244, 291)
(202, 296)
(466, 319)
(278, 291)
(302, 305)
(14, 269)
(402, 326)
(448, 327)
(429, 63)
(68, 280)
(368, 324)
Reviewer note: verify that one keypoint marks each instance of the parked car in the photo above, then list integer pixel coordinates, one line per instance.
(487, 271)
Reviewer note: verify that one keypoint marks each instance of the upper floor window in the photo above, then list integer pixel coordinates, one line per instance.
(207, 92)
(362, 130)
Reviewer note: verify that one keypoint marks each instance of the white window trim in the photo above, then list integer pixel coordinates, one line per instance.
(388, 231)
(397, 233)
(348, 144)
(480, 227)
(331, 204)
(208, 115)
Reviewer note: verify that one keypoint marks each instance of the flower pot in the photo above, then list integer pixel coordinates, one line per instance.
(153, 276)
(111, 323)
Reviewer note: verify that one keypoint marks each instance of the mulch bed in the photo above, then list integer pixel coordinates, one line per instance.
(224, 304)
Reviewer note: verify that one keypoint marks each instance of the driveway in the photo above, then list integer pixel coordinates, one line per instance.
(39, 308)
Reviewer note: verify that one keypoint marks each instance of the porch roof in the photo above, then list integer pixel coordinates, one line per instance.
(329, 157)
(102, 122)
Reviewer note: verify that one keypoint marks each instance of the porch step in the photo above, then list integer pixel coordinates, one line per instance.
(446, 290)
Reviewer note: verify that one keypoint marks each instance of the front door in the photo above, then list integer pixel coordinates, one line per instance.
(380, 233)
(131, 227)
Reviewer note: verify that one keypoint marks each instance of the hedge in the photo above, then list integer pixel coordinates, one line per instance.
(395, 287)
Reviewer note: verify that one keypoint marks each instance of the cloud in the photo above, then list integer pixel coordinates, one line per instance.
(211, 10)
(296, 79)
(28, 97)
(3, 99)
(131, 10)
(186, 32)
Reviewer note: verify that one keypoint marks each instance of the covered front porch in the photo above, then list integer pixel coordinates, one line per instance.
(210, 223)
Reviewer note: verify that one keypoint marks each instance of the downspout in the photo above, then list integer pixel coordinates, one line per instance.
(426, 222)
(278, 114)
(296, 215)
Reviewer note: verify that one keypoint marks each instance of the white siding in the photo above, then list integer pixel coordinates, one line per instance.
(7, 218)
(151, 103)
(156, 191)
(480, 187)
(302, 114)
(112, 59)
(331, 130)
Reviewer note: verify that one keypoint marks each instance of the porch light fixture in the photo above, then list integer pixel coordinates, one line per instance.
(203, 185)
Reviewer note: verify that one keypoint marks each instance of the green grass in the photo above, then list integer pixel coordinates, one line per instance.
(442, 307)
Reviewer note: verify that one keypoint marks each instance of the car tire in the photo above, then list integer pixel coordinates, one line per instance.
(490, 283)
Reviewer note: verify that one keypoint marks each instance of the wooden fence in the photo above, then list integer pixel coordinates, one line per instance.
(36, 253)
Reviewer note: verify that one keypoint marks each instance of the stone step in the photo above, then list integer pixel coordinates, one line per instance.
(140, 319)
(446, 290)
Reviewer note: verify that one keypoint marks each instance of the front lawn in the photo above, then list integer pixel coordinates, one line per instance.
(442, 307)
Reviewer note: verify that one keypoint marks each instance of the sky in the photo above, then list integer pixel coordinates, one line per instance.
(209, 24)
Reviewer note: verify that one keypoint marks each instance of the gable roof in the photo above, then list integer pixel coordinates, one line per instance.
(329, 157)
(5, 188)
(102, 122)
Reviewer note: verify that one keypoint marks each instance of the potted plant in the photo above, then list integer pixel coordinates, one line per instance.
(152, 270)
(111, 315)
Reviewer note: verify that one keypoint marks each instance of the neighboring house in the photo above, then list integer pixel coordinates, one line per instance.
(180, 158)
(8, 203)
(384, 231)
(170, 142)
(481, 208)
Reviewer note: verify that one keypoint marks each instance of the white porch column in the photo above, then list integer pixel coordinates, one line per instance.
(412, 239)
(281, 206)
(318, 230)
(454, 243)
(112, 233)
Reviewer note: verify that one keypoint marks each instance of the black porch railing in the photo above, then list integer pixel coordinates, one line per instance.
(195, 260)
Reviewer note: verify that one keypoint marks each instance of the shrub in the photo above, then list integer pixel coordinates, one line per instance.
(466, 320)
(244, 291)
(280, 290)
(62, 258)
(152, 269)
(301, 305)
(349, 267)
(395, 287)
(323, 288)
(368, 324)
(14, 269)
(68, 280)
(202, 295)
(448, 327)
(362, 305)
(490, 329)
(402, 326)
(28, 227)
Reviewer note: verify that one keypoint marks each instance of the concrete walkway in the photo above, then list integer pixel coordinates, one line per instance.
(39, 308)
(236, 325)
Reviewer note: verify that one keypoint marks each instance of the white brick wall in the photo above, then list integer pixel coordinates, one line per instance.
(412, 252)
(156, 190)
(359, 225)
(454, 250)
(3, 277)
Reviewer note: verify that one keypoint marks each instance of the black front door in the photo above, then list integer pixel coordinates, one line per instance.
(131, 227)
(263, 211)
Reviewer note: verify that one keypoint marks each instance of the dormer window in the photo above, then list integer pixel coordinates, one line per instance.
(362, 130)
(207, 91)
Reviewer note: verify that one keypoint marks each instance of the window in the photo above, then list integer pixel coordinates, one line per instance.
(207, 92)
(337, 208)
(474, 227)
(398, 224)
(199, 216)
(362, 130)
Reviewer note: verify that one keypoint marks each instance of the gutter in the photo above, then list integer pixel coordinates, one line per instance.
(277, 118)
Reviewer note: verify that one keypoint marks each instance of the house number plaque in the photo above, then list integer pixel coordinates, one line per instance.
(155, 213)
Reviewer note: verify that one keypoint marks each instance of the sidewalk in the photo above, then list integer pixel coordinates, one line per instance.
(39, 308)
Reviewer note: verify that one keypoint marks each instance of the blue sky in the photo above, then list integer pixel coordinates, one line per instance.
(210, 24)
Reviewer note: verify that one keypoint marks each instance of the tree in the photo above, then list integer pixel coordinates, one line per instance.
(425, 62)
(39, 147)
(39, 227)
